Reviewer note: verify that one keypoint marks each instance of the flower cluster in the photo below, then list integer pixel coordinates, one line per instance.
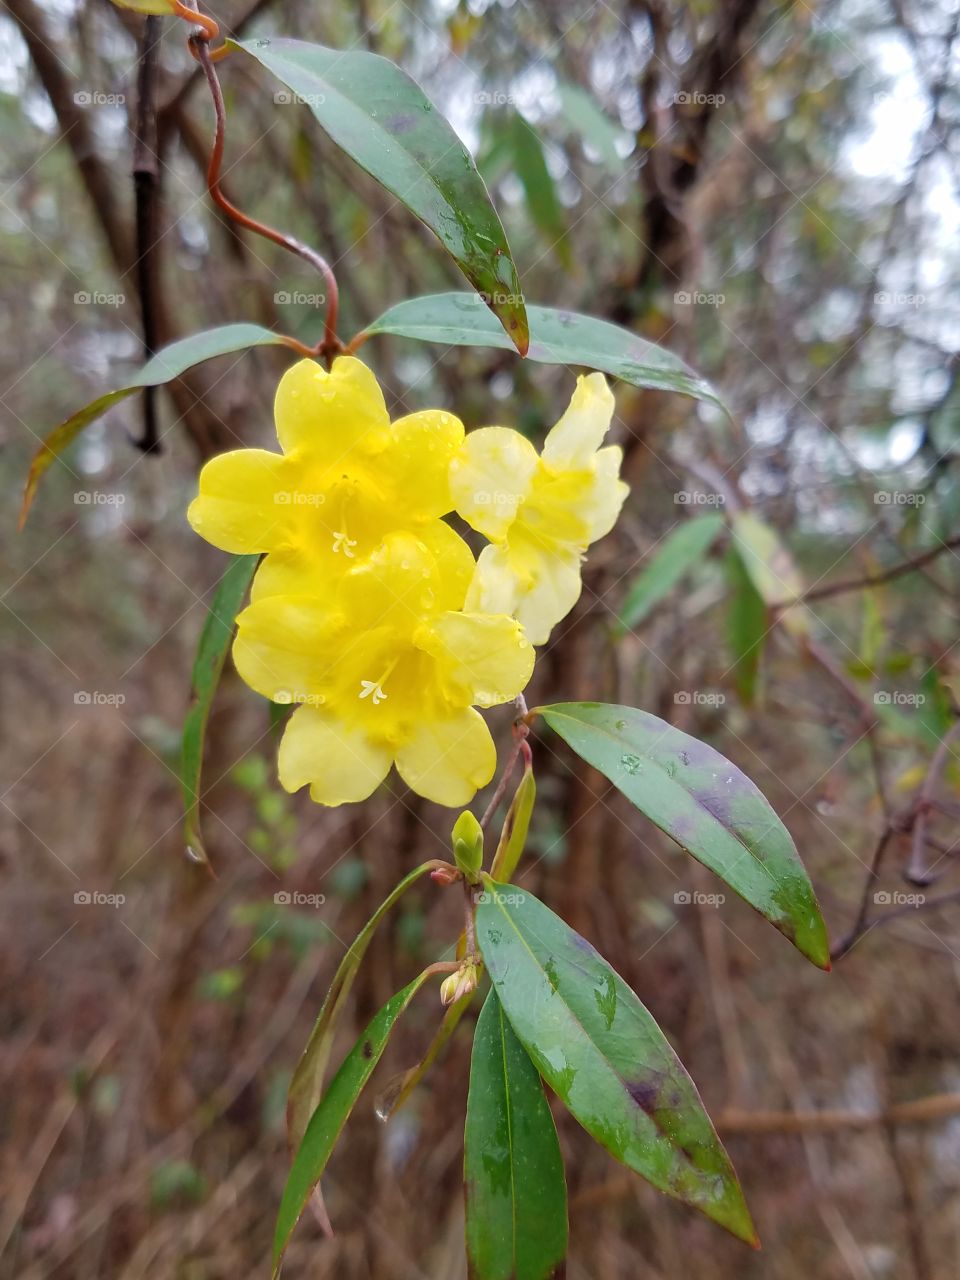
(368, 610)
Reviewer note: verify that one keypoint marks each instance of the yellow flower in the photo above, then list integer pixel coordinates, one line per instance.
(388, 671)
(346, 478)
(539, 512)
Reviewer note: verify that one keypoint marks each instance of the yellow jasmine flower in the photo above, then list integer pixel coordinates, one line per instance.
(387, 670)
(540, 512)
(347, 476)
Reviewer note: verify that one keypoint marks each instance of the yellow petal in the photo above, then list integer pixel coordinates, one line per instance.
(418, 461)
(329, 414)
(483, 658)
(244, 501)
(294, 572)
(490, 478)
(286, 647)
(607, 492)
(339, 761)
(579, 433)
(448, 760)
(555, 513)
(536, 587)
(454, 564)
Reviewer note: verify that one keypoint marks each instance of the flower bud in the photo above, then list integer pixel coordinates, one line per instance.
(468, 844)
(459, 984)
(445, 875)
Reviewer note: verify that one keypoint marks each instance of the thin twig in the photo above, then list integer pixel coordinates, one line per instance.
(873, 579)
(146, 186)
(330, 345)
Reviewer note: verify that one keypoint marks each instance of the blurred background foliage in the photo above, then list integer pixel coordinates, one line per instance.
(769, 189)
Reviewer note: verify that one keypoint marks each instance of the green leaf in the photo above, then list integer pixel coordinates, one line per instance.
(934, 708)
(385, 122)
(771, 568)
(402, 1085)
(556, 337)
(513, 837)
(747, 628)
(584, 115)
(604, 1055)
(516, 1193)
(166, 365)
(307, 1083)
(706, 804)
(530, 165)
(332, 1113)
(680, 550)
(211, 654)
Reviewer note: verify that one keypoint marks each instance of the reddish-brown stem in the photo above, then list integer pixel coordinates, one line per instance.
(330, 345)
(469, 923)
(521, 732)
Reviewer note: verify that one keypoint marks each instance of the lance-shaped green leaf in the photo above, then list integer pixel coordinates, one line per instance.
(582, 113)
(603, 1054)
(385, 122)
(332, 1113)
(747, 627)
(771, 567)
(556, 337)
(516, 825)
(166, 365)
(543, 203)
(398, 1090)
(680, 550)
(706, 804)
(215, 637)
(307, 1083)
(515, 1190)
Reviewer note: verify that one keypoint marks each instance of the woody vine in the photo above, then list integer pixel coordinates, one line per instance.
(377, 630)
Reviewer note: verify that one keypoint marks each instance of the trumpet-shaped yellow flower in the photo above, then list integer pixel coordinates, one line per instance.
(346, 478)
(388, 671)
(540, 512)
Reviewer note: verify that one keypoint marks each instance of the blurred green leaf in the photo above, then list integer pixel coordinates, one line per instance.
(706, 804)
(604, 1055)
(207, 668)
(516, 1193)
(934, 710)
(530, 165)
(176, 1181)
(556, 337)
(384, 121)
(163, 367)
(332, 1113)
(680, 550)
(583, 114)
(221, 984)
(747, 627)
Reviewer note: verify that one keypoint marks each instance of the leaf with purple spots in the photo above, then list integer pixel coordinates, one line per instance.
(706, 804)
(603, 1054)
